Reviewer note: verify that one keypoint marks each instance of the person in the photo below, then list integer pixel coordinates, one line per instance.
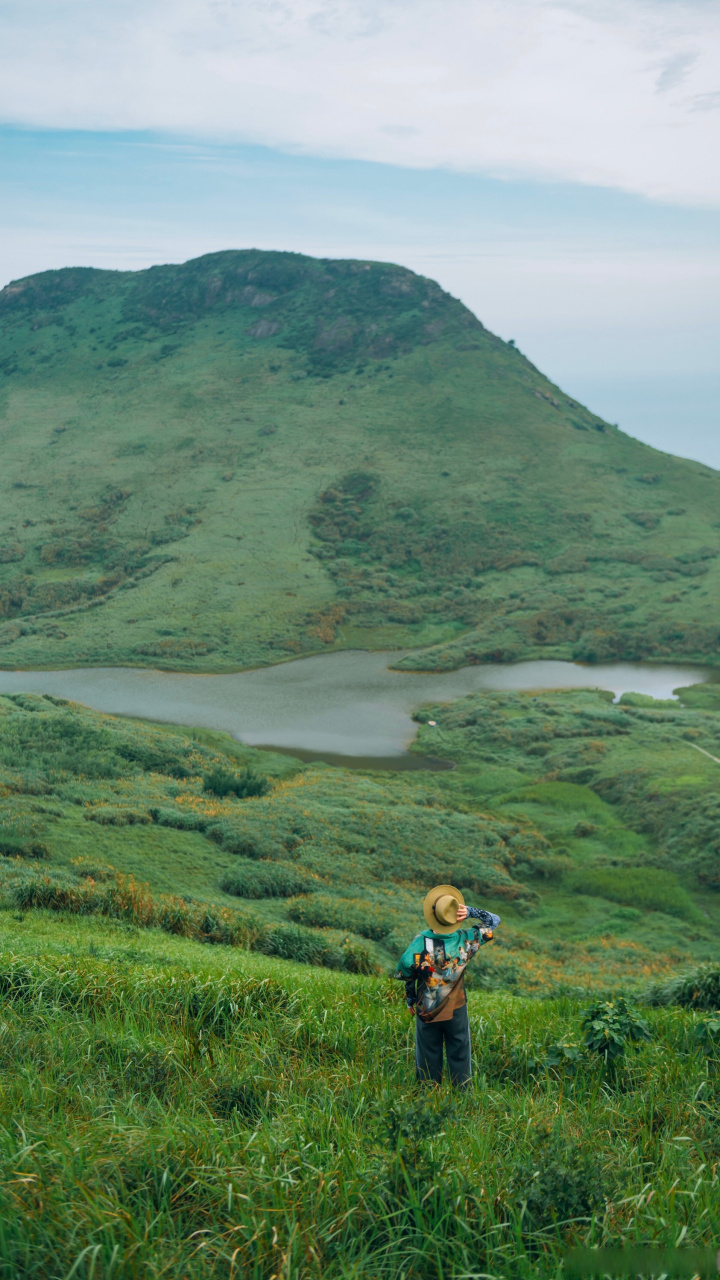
(433, 970)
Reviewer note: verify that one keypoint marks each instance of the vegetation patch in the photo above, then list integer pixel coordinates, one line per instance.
(645, 887)
(125, 899)
(697, 990)
(221, 782)
(186, 1091)
(362, 917)
(264, 879)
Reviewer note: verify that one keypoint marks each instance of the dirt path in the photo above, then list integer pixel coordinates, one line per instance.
(705, 753)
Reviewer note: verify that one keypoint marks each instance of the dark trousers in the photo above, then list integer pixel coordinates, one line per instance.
(429, 1040)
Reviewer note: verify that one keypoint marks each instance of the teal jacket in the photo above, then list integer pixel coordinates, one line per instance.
(434, 963)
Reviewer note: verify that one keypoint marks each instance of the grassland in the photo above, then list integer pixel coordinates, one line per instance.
(174, 1110)
(179, 1096)
(591, 828)
(256, 455)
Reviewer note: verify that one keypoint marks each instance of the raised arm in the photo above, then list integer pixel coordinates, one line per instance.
(487, 918)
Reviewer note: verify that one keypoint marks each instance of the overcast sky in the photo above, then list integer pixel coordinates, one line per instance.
(554, 164)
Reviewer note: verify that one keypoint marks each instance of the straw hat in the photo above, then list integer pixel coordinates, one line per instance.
(440, 908)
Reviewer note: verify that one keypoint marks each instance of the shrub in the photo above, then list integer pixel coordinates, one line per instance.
(93, 870)
(12, 847)
(608, 1025)
(292, 942)
(360, 916)
(357, 958)
(179, 820)
(267, 880)
(707, 1034)
(113, 816)
(413, 1162)
(306, 946)
(583, 829)
(125, 899)
(647, 887)
(153, 757)
(697, 990)
(247, 783)
(245, 843)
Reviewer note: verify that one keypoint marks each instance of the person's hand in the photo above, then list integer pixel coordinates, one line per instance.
(411, 1010)
(462, 913)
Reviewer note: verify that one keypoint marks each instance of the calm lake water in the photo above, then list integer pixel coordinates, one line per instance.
(338, 705)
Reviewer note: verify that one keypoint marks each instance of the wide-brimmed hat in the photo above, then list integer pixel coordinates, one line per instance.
(440, 908)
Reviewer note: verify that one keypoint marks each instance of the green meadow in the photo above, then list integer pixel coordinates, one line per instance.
(258, 455)
(206, 1065)
(590, 827)
(173, 1109)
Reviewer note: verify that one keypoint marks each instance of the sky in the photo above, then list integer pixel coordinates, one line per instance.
(554, 163)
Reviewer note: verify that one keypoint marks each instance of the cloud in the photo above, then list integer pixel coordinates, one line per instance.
(674, 71)
(706, 102)
(583, 91)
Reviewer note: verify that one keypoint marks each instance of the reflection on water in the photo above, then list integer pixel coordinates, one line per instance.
(337, 704)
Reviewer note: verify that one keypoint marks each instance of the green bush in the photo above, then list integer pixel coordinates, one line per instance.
(307, 946)
(647, 887)
(179, 820)
(125, 899)
(247, 783)
(93, 869)
(265, 879)
(247, 844)
(324, 911)
(107, 815)
(11, 847)
(697, 990)
(609, 1025)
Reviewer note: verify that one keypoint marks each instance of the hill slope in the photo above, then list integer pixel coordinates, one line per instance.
(590, 828)
(257, 455)
(169, 1111)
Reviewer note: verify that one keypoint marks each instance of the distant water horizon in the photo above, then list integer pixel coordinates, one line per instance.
(678, 413)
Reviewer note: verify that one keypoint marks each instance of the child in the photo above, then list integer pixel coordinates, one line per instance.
(433, 969)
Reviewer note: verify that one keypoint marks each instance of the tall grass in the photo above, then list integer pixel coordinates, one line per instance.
(647, 887)
(123, 898)
(249, 879)
(163, 1123)
(363, 917)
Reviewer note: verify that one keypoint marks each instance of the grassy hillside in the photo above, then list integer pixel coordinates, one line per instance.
(180, 1097)
(590, 828)
(173, 1110)
(259, 455)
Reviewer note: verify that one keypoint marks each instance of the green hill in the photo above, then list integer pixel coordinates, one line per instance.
(258, 455)
(590, 828)
(169, 1110)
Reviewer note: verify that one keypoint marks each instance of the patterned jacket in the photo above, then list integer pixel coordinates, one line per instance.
(433, 963)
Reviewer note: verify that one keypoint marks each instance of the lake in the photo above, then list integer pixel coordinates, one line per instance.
(344, 708)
